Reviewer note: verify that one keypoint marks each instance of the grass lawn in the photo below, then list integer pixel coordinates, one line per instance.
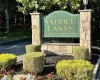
(14, 34)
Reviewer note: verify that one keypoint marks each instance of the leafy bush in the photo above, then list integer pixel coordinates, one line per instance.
(7, 60)
(75, 69)
(80, 53)
(33, 61)
(33, 48)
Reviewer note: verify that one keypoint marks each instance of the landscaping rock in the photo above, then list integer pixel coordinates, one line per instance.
(5, 77)
(18, 76)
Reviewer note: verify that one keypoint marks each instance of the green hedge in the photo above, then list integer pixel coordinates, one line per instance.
(7, 60)
(80, 53)
(75, 69)
(33, 61)
(33, 48)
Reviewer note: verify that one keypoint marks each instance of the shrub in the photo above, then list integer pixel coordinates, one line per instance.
(80, 53)
(75, 69)
(33, 62)
(33, 48)
(7, 60)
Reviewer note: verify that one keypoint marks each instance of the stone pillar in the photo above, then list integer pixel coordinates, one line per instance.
(85, 28)
(36, 28)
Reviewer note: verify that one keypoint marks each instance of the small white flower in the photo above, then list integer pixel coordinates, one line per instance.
(30, 77)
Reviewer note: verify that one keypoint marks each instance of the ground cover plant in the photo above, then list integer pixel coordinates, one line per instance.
(75, 70)
(33, 48)
(33, 61)
(80, 53)
(7, 60)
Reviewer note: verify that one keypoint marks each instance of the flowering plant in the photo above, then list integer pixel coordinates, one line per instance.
(5, 75)
(50, 76)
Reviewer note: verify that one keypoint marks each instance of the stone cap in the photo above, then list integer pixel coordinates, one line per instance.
(85, 10)
(36, 13)
(64, 44)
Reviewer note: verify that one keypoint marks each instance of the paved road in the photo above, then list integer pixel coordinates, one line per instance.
(98, 74)
(15, 47)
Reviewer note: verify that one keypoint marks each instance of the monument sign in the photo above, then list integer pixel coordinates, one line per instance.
(60, 24)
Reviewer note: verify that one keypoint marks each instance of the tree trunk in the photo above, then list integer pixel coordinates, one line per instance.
(24, 19)
(2, 15)
(7, 17)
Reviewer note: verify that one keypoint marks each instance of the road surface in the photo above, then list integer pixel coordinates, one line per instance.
(15, 47)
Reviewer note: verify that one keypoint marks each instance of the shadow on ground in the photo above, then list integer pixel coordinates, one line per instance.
(95, 54)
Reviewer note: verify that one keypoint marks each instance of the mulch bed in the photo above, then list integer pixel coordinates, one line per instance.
(50, 63)
(57, 58)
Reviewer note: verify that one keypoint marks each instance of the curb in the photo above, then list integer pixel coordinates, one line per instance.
(14, 40)
(96, 69)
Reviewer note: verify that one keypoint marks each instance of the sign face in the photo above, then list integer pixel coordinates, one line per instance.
(60, 24)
